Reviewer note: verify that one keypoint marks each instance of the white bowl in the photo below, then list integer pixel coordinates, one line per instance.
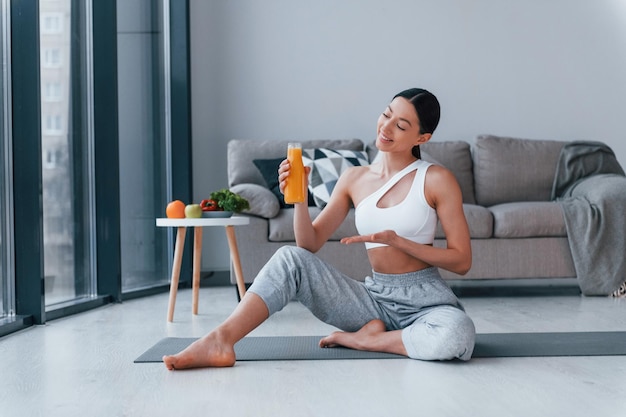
(216, 214)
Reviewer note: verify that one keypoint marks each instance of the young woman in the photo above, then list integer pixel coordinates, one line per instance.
(404, 307)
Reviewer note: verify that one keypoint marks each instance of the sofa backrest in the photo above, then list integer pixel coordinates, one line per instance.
(514, 170)
(495, 170)
(241, 153)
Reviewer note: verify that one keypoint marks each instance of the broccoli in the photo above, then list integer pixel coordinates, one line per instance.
(230, 201)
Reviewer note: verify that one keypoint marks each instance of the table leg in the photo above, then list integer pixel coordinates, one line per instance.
(178, 258)
(234, 253)
(197, 256)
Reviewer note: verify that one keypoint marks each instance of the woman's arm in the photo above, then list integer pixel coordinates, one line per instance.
(312, 235)
(444, 194)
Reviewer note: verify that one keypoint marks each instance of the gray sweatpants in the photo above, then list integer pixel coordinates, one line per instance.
(433, 322)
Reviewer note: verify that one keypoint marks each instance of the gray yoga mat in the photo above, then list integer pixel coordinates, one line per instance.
(282, 348)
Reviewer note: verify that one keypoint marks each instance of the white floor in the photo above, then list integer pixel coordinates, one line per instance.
(83, 366)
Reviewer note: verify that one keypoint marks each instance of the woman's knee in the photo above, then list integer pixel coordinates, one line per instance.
(461, 338)
(287, 267)
(285, 258)
(444, 338)
(290, 255)
(279, 279)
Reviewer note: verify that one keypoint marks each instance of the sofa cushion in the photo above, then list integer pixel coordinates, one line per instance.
(241, 153)
(508, 170)
(269, 170)
(528, 219)
(281, 226)
(326, 167)
(479, 220)
(262, 201)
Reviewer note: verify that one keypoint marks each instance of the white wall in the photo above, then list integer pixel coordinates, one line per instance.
(280, 69)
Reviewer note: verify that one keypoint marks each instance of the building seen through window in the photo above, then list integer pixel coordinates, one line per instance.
(64, 146)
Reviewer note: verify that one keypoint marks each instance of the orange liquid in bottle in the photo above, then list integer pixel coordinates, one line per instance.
(294, 191)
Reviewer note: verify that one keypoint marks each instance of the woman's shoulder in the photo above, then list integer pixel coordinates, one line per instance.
(355, 176)
(356, 171)
(435, 169)
(439, 178)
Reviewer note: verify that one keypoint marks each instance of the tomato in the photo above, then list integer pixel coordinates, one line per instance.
(209, 205)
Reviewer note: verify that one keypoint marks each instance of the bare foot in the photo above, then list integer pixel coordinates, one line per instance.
(372, 337)
(209, 351)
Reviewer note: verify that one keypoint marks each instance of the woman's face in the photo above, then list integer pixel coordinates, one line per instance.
(398, 127)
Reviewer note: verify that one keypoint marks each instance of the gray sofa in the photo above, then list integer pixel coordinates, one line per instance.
(517, 229)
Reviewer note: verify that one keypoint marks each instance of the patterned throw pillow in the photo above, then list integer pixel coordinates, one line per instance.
(326, 167)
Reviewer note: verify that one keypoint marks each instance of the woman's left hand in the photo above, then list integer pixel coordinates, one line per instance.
(386, 237)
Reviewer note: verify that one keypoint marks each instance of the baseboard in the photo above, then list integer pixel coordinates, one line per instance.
(215, 279)
(521, 287)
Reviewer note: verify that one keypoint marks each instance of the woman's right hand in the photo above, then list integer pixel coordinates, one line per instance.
(283, 172)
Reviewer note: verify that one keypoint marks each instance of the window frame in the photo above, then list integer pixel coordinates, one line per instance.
(26, 155)
(7, 273)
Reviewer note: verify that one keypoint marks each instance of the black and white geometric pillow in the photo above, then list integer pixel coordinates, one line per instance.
(326, 167)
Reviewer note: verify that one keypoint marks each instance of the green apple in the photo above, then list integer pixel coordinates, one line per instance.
(193, 211)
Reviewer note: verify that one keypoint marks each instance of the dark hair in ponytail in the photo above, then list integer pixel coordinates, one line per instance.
(427, 109)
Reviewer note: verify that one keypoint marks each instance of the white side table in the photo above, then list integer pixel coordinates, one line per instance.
(198, 224)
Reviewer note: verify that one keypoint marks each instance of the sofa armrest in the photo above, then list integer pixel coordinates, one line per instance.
(263, 202)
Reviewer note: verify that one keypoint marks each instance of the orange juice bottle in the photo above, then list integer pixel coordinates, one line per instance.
(294, 191)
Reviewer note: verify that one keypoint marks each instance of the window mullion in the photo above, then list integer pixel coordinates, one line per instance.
(26, 149)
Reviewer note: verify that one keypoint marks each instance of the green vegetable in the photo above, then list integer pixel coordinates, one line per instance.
(230, 201)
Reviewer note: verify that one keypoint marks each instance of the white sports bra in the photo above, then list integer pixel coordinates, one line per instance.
(413, 218)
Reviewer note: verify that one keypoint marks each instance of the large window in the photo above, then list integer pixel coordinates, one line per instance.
(143, 135)
(6, 272)
(67, 156)
(86, 137)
